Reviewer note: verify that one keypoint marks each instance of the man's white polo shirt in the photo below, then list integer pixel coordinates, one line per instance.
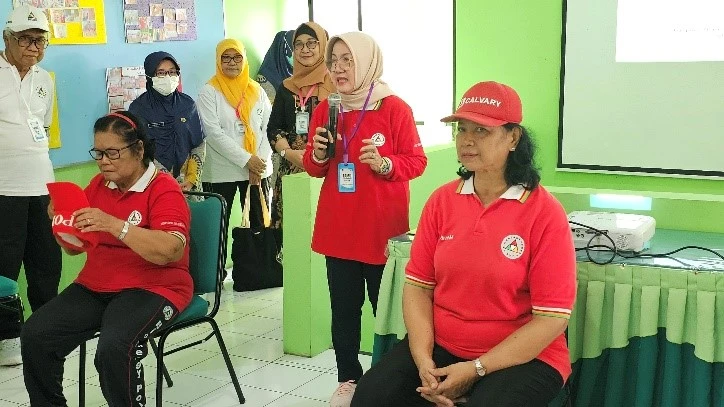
(25, 165)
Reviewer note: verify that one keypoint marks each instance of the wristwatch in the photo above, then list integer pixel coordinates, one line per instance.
(283, 153)
(479, 367)
(126, 226)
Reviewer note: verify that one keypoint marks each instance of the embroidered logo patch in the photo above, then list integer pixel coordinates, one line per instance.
(42, 93)
(167, 312)
(378, 139)
(135, 218)
(512, 246)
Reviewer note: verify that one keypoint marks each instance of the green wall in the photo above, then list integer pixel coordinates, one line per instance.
(254, 23)
(518, 42)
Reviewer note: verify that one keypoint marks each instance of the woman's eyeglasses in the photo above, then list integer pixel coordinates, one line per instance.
(171, 72)
(343, 63)
(111, 153)
(311, 44)
(228, 58)
(24, 41)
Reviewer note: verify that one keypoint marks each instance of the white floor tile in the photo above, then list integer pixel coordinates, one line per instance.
(215, 368)
(273, 311)
(252, 325)
(13, 390)
(186, 387)
(260, 348)
(322, 362)
(294, 401)
(321, 388)
(277, 334)
(226, 397)
(280, 378)
(10, 372)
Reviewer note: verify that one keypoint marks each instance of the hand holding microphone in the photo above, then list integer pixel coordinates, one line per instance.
(325, 138)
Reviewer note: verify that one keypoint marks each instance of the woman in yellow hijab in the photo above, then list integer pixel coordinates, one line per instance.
(234, 113)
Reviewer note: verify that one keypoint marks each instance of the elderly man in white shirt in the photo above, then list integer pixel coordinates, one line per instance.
(26, 104)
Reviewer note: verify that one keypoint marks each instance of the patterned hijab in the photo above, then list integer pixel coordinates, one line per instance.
(367, 58)
(318, 74)
(241, 92)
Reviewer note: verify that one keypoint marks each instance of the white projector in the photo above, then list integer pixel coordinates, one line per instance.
(630, 232)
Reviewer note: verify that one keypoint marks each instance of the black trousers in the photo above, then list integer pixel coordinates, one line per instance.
(125, 321)
(228, 191)
(393, 380)
(26, 239)
(346, 280)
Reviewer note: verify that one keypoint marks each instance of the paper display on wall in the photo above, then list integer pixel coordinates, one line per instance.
(54, 131)
(147, 21)
(72, 21)
(124, 85)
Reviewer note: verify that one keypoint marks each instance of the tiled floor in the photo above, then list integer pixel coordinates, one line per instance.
(251, 325)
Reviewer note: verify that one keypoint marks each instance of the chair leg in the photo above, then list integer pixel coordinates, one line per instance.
(167, 376)
(81, 375)
(227, 359)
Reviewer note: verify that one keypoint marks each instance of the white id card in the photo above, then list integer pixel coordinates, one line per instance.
(37, 130)
(302, 122)
(240, 128)
(345, 177)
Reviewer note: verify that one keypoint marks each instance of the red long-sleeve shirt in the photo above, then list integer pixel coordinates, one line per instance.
(357, 225)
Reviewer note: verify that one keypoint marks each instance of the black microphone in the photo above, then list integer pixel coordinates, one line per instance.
(334, 101)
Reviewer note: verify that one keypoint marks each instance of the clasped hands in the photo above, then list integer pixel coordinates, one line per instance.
(256, 167)
(446, 385)
(368, 153)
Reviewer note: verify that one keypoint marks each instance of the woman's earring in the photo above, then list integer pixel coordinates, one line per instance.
(512, 149)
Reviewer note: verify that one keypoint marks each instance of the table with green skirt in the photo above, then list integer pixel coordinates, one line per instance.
(643, 332)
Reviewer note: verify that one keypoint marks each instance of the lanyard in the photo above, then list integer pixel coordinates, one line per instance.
(20, 86)
(356, 126)
(303, 100)
(238, 116)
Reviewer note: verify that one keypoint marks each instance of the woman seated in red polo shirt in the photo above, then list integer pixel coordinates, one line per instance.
(491, 278)
(134, 281)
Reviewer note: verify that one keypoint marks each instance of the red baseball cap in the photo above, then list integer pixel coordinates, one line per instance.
(489, 104)
(68, 198)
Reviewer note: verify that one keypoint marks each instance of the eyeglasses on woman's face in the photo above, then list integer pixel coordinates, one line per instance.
(24, 41)
(171, 72)
(228, 58)
(343, 63)
(111, 153)
(311, 45)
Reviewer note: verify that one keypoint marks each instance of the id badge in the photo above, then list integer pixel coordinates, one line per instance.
(302, 122)
(345, 177)
(240, 128)
(37, 130)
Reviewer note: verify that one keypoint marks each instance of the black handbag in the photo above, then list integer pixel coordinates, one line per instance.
(254, 252)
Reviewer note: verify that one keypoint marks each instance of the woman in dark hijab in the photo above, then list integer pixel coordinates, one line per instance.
(277, 64)
(172, 120)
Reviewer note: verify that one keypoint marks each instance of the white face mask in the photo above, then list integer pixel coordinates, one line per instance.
(165, 85)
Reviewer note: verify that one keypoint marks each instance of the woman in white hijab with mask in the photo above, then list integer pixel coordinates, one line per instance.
(173, 121)
(365, 195)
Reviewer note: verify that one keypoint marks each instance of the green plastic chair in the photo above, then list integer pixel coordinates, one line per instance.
(10, 297)
(207, 259)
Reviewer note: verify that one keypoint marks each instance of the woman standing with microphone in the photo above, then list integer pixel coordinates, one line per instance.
(377, 151)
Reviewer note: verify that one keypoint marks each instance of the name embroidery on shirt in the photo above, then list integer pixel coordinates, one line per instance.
(448, 237)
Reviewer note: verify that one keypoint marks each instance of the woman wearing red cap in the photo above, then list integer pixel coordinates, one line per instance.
(133, 282)
(491, 278)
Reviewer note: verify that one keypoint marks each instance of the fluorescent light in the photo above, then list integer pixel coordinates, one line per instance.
(613, 201)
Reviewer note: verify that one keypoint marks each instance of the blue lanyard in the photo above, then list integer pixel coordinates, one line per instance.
(356, 126)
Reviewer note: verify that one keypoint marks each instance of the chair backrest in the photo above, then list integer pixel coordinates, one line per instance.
(207, 251)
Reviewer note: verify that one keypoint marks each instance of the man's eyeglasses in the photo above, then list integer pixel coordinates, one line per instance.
(111, 153)
(311, 44)
(343, 63)
(25, 41)
(228, 58)
(171, 72)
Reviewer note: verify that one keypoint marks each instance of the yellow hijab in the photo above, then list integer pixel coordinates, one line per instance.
(241, 92)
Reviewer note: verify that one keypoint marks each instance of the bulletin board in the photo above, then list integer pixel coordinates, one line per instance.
(148, 21)
(73, 21)
(54, 131)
